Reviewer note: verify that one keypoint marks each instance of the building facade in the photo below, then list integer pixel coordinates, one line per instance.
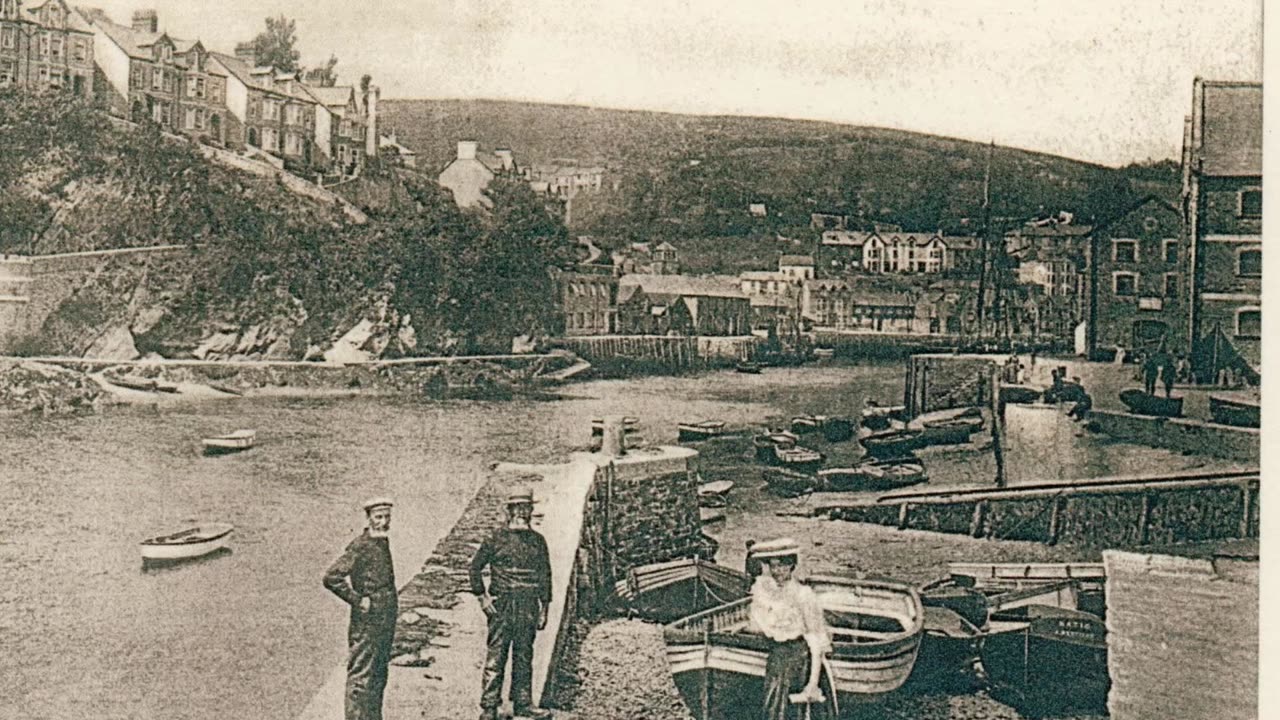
(138, 71)
(1137, 282)
(588, 301)
(202, 96)
(1222, 202)
(340, 128)
(889, 252)
(46, 47)
(681, 305)
(267, 110)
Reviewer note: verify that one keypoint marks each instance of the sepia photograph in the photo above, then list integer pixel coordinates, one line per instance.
(611, 360)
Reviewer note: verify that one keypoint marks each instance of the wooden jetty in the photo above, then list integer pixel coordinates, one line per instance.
(1117, 511)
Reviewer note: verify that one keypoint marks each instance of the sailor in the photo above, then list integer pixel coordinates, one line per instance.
(366, 580)
(788, 613)
(1150, 371)
(516, 604)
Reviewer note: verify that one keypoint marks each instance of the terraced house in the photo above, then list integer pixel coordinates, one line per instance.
(340, 128)
(267, 110)
(139, 74)
(45, 47)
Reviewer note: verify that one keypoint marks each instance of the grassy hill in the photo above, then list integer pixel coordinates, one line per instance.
(692, 176)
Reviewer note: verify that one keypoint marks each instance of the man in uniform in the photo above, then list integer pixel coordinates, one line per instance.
(366, 580)
(515, 602)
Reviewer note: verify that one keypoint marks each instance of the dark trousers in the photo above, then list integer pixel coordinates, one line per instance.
(786, 672)
(369, 639)
(511, 631)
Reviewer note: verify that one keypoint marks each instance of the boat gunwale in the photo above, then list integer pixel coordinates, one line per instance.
(187, 537)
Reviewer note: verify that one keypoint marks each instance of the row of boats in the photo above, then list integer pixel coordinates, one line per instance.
(1238, 409)
(1034, 633)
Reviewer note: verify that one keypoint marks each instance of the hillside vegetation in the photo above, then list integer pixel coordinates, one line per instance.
(270, 273)
(688, 176)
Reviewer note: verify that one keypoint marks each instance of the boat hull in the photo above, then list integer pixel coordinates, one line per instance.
(697, 432)
(1239, 413)
(837, 430)
(891, 444)
(1049, 664)
(212, 539)
(223, 444)
(665, 592)
(748, 368)
(789, 483)
(1140, 403)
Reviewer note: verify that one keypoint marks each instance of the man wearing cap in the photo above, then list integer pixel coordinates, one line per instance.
(515, 602)
(366, 580)
(788, 613)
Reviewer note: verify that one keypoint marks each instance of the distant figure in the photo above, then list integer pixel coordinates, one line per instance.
(1184, 369)
(1082, 407)
(1150, 371)
(1120, 355)
(516, 604)
(1167, 372)
(366, 580)
(1033, 357)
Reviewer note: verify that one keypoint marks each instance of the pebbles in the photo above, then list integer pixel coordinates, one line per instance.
(622, 674)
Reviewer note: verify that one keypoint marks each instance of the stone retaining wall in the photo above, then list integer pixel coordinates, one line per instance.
(630, 354)
(1183, 435)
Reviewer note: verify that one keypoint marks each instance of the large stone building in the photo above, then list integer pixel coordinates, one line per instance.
(1222, 201)
(45, 47)
(1137, 284)
(139, 70)
(889, 252)
(681, 305)
(340, 127)
(268, 110)
(588, 300)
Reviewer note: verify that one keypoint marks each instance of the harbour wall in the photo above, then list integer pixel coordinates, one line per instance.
(1182, 637)
(1183, 435)
(620, 355)
(1098, 514)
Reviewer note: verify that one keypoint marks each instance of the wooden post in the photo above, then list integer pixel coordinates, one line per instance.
(979, 518)
(1144, 519)
(997, 425)
(1246, 512)
(1055, 519)
(903, 511)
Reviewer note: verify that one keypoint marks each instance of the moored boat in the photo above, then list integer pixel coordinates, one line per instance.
(229, 443)
(1141, 403)
(187, 543)
(1238, 409)
(801, 459)
(995, 578)
(764, 444)
(132, 382)
(789, 483)
(1046, 660)
(879, 417)
(876, 629)
(948, 651)
(714, 494)
(664, 592)
(803, 424)
(874, 475)
(703, 430)
(749, 368)
(891, 443)
(1020, 394)
(950, 432)
(824, 353)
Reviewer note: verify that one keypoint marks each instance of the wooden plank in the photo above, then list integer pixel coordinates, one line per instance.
(1114, 480)
(1055, 520)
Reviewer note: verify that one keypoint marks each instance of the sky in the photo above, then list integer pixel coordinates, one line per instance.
(1105, 81)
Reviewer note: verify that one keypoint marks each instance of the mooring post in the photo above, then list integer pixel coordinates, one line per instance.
(997, 425)
(614, 442)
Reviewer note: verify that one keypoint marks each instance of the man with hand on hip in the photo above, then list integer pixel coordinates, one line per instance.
(516, 604)
(366, 580)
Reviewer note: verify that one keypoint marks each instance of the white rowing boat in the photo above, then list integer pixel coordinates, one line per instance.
(187, 543)
(231, 442)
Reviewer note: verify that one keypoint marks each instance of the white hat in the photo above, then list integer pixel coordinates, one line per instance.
(781, 547)
(377, 502)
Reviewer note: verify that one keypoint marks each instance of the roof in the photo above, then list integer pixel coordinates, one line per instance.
(75, 22)
(259, 78)
(762, 275)
(386, 142)
(845, 237)
(677, 285)
(336, 96)
(796, 260)
(1053, 230)
(1231, 129)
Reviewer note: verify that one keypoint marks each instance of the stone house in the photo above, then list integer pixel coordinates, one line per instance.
(340, 128)
(396, 153)
(796, 267)
(681, 305)
(588, 300)
(471, 171)
(46, 47)
(1136, 294)
(889, 252)
(268, 110)
(202, 95)
(139, 74)
(564, 178)
(1222, 205)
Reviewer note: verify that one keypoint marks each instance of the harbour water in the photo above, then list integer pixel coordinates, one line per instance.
(252, 633)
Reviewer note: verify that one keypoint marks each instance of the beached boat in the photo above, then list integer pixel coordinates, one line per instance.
(891, 443)
(837, 429)
(789, 483)
(132, 382)
(628, 425)
(750, 368)
(824, 353)
(1238, 409)
(803, 424)
(874, 475)
(764, 444)
(801, 459)
(994, 578)
(1046, 660)
(1141, 403)
(950, 432)
(229, 443)
(665, 592)
(879, 417)
(708, 515)
(876, 628)
(714, 494)
(948, 651)
(697, 431)
(1020, 394)
(968, 602)
(191, 542)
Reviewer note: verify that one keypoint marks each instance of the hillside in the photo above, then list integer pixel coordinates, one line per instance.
(685, 175)
(269, 273)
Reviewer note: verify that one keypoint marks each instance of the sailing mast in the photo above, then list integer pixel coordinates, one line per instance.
(985, 242)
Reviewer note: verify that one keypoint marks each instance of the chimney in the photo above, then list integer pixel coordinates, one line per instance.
(508, 162)
(146, 21)
(467, 149)
(371, 120)
(245, 52)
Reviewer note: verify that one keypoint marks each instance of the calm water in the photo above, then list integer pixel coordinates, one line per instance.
(252, 633)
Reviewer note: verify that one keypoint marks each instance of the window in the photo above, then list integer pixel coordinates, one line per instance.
(200, 89)
(1251, 203)
(157, 78)
(191, 86)
(1249, 263)
(1125, 284)
(6, 72)
(77, 51)
(1171, 252)
(1249, 323)
(1124, 251)
(190, 119)
(55, 48)
(200, 118)
(1171, 285)
(7, 36)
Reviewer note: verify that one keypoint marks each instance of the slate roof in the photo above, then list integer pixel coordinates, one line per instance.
(1231, 129)
(677, 286)
(796, 260)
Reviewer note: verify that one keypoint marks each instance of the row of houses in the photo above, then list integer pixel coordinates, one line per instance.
(472, 169)
(141, 73)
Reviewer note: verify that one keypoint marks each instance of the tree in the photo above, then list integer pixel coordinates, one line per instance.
(277, 45)
(323, 76)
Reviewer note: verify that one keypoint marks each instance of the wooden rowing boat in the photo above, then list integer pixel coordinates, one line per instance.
(1238, 409)
(714, 494)
(665, 592)
(1020, 394)
(749, 368)
(1090, 579)
(803, 424)
(229, 443)
(132, 382)
(697, 431)
(948, 651)
(874, 474)
(1047, 660)
(789, 483)
(876, 629)
(1140, 402)
(891, 443)
(824, 353)
(187, 543)
(765, 444)
(800, 459)
(879, 417)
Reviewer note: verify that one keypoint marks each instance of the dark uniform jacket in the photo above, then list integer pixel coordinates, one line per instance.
(518, 563)
(364, 570)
